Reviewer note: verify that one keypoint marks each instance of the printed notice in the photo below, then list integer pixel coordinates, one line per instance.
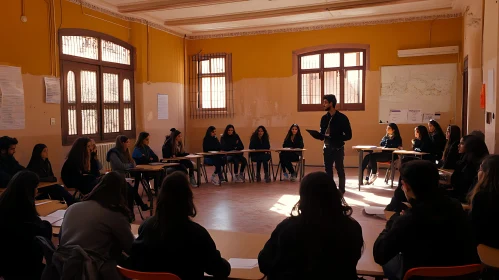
(414, 116)
(52, 90)
(11, 98)
(162, 106)
(428, 117)
(397, 116)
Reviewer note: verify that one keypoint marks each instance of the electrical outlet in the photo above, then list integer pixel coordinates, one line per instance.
(52, 121)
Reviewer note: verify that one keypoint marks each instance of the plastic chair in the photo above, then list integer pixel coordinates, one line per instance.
(131, 274)
(472, 270)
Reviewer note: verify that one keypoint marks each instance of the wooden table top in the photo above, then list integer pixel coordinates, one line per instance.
(488, 255)
(45, 209)
(151, 167)
(406, 152)
(189, 157)
(289, 150)
(372, 148)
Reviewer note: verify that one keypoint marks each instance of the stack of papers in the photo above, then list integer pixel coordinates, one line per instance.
(243, 263)
(55, 218)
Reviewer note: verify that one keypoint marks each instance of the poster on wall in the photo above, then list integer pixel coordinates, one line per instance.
(11, 98)
(162, 106)
(52, 90)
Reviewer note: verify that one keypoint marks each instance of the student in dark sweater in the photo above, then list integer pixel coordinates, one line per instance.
(434, 231)
(437, 137)
(211, 144)
(464, 177)
(143, 154)
(20, 256)
(171, 242)
(392, 139)
(451, 156)
(260, 141)
(76, 170)
(422, 143)
(40, 164)
(8, 164)
(319, 240)
(484, 199)
(293, 140)
(95, 164)
(231, 141)
(173, 147)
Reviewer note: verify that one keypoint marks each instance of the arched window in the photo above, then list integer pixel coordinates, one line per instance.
(97, 82)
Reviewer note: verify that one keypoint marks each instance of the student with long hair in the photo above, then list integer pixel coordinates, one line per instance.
(260, 141)
(19, 225)
(171, 242)
(293, 140)
(437, 137)
(101, 224)
(230, 141)
(211, 144)
(143, 154)
(121, 160)
(173, 147)
(76, 170)
(40, 164)
(391, 139)
(8, 163)
(433, 231)
(302, 246)
(422, 142)
(484, 200)
(451, 153)
(464, 177)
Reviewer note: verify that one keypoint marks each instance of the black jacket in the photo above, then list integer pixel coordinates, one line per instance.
(433, 233)
(424, 147)
(168, 151)
(463, 179)
(388, 142)
(187, 252)
(258, 144)
(43, 169)
(211, 144)
(231, 143)
(484, 215)
(340, 130)
(296, 144)
(8, 168)
(73, 176)
(143, 155)
(439, 141)
(452, 157)
(295, 251)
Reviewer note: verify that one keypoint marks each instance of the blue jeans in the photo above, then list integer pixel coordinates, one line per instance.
(236, 159)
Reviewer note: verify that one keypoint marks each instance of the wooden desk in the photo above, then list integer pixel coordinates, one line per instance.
(366, 265)
(402, 154)
(488, 255)
(361, 149)
(151, 167)
(50, 207)
(46, 184)
(190, 157)
(302, 160)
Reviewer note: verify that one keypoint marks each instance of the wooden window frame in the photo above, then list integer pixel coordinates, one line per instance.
(123, 71)
(342, 71)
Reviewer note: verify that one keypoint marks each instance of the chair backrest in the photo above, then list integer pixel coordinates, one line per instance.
(131, 274)
(473, 270)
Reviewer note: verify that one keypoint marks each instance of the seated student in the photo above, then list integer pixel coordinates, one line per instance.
(437, 137)
(40, 164)
(8, 164)
(320, 242)
(392, 139)
(464, 176)
(211, 144)
(173, 147)
(120, 159)
(230, 141)
(76, 170)
(433, 231)
(451, 153)
(143, 154)
(293, 140)
(171, 242)
(422, 143)
(260, 141)
(100, 224)
(484, 200)
(20, 257)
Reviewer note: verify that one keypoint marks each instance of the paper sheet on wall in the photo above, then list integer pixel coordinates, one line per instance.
(52, 90)
(428, 117)
(414, 116)
(162, 106)
(490, 92)
(11, 98)
(397, 116)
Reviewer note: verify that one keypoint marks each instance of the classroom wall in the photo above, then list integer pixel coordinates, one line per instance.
(159, 69)
(265, 89)
(490, 63)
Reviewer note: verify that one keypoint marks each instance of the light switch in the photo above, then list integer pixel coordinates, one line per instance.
(52, 121)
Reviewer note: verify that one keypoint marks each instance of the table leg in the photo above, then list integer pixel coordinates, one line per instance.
(147, 188)
(198, 164)
(271, 168)
(361, 158)
(392, 173)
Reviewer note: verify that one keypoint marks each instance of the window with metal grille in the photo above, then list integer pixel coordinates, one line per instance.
(210, 86)
(97, 85)
(340, 72)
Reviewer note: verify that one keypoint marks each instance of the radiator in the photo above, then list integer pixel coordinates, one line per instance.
(102, 150)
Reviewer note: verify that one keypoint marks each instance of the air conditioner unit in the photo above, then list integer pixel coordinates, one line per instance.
(428, 51)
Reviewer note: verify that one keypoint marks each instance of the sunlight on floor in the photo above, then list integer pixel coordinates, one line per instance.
(285, 204)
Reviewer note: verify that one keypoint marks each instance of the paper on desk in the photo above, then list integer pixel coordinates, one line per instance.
(243, 263)
(50, 219)
(58, 214)
(191, 156)
(374, 210)
(58, 223)
(40, 203)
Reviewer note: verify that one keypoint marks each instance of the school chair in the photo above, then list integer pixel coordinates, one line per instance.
(205, 174)
(137, 275)
(469, 272)
(296, 165)
(252, 168)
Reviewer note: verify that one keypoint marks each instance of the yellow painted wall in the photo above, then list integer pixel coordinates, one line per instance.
(27, 45)
(265, 89)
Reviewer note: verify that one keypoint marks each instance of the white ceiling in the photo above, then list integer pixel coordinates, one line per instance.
(205, 17)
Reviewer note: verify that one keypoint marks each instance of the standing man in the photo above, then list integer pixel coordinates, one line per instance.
(336, 129)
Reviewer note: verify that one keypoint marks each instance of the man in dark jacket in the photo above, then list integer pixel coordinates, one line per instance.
(8, 164)
(433, 232)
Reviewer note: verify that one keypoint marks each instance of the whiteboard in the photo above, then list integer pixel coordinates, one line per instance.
(430, 88)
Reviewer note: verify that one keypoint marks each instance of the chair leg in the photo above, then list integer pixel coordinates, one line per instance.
(279, 171)
(203, 168)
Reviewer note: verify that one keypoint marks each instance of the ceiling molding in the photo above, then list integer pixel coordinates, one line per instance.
(327, 26)
(170, 4)
(284, 12)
